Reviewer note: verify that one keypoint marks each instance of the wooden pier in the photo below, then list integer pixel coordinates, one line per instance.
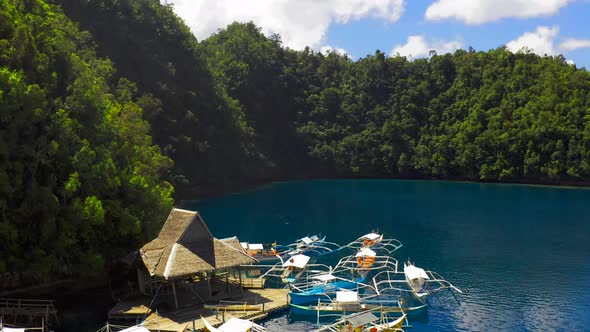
(268, 300)
(34, 314)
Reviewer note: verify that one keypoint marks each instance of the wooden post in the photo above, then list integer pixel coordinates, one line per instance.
(209, 285)
(227, 282)
(174, 291)
(240, 275)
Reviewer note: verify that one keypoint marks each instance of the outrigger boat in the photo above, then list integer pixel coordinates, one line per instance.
(311, 246)
(366, 321)
(421, 282)
(261, 251)
(413, 280)
(350, 273)
(350, 302)
(375, 242)
(416, 278)
(234, 325)
(322, 286)
(112, 328)
(294, 267)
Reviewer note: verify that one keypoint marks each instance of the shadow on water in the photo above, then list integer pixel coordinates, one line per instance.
(84, 311)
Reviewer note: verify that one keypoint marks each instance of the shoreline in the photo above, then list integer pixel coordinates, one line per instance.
(211, 191)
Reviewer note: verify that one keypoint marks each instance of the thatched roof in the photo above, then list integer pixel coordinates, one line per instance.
(234, 242)
(185, 246)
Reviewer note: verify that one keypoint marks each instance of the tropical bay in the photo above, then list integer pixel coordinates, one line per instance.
(132, 128)
(518, 252)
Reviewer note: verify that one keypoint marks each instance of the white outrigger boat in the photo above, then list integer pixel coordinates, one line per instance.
(113, 328)
(375, 242)
(310, 245)
(416, 278)
(421, 282)
(294, 268)
(234, 325)
(366, 321)
(351, 272)
(417, 281)
(347, 301)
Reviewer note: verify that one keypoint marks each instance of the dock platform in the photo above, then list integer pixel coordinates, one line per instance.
(183, 319)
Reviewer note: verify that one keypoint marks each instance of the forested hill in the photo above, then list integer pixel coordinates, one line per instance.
(82, 181)
(252, 109)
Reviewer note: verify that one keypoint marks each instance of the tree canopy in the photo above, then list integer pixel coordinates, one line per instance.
(82, 181)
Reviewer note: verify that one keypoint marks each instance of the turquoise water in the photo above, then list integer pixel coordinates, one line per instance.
(520, 253)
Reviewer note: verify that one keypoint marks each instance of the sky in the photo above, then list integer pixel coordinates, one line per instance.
(410, 28)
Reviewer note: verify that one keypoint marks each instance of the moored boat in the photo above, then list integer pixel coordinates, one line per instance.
(234, 325)
(416, 278)
(367, 321)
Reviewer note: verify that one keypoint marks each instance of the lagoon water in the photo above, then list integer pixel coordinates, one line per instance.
(520, 253)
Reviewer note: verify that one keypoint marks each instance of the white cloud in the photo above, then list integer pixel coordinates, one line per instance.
(328, 49)
(419, 47)
(299, 22)
(482, 11)
(540, 42)
(570, 62)
(572, 44)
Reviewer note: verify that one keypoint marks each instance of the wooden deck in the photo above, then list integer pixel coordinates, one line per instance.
(135, 309)
(28, 312)
(182, 320)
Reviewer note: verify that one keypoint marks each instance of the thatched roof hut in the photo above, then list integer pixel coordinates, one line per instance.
(185, 246)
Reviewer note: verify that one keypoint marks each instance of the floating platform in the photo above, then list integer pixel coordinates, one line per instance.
(258, 302)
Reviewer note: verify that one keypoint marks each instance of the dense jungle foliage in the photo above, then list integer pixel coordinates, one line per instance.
(81, 180)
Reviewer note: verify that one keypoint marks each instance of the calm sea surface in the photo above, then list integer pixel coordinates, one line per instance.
(521, 254)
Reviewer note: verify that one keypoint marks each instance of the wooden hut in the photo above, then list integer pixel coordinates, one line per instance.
(184, 248)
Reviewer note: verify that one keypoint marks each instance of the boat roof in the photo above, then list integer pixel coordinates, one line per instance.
(239, 325)
(366, 252)
(370, 236)
(361, 318)
(413, 272)
(324, 277)
(11, 329)
(347, 296)
(255, 246)
(297, 261)
(136, 328)
(306, 240)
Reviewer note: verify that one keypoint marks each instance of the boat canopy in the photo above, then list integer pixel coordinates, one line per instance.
(11, 329)
(361, 318)
(347, 296)
(370, 236)
(255, 246)
(306, 240)
(413, 272)
(298, 261)
(239, 325)
(324, 277)
(366, 252)
(136, 328)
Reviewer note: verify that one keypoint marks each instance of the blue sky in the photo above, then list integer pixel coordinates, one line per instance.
(407, 27)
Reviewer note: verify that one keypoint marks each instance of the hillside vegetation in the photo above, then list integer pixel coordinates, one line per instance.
(84, 90)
